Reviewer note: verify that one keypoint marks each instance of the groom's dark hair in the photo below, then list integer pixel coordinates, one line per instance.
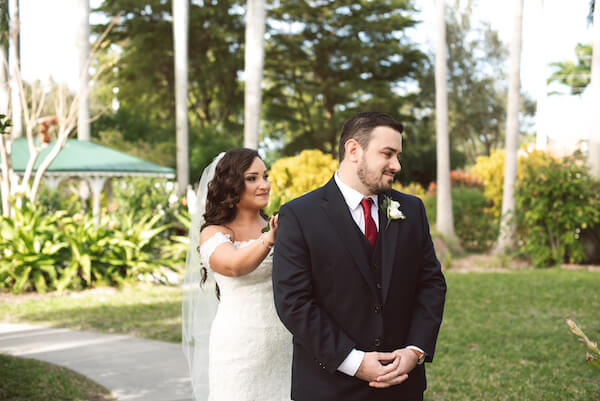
(360, 126)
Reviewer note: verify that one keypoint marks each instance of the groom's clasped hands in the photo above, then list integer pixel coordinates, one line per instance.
(385, 369)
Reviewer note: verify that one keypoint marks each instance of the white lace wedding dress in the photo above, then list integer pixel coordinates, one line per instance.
(250, 351)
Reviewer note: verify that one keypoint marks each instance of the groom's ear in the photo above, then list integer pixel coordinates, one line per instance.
(353, 151)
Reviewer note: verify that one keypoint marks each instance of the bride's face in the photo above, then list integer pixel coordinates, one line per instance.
(256, 186)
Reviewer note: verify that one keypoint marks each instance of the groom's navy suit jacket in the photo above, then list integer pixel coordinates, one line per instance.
(335, 293)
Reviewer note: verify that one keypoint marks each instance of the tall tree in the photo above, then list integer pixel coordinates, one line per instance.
(82, 11)
(142, 81)
(328, 59)
(575, 75)
(4, 75)
(507, 222)
(445, 219)
(254, 56)
(594, 153)
(15, 68)
(34, 103)
(476, 82)
(180, 36)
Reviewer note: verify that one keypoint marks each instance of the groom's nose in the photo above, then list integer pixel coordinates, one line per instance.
(395, 165)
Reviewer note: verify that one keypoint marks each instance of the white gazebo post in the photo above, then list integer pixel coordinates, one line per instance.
(51, 182)
(96, 183)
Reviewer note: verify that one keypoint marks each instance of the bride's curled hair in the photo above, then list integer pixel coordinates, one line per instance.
(225, 189)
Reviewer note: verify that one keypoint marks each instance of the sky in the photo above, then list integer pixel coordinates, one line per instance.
(48, 47)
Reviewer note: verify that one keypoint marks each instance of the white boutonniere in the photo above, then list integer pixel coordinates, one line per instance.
(392, 210)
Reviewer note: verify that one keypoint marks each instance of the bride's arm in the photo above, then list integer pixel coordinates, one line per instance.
(230, 261)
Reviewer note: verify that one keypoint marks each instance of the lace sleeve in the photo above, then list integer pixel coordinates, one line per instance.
(209, 246)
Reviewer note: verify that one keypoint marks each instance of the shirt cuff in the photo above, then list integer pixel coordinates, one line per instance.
(417, 348)
(352, 362)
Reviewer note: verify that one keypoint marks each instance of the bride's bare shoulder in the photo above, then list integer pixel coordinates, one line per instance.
(210, 231)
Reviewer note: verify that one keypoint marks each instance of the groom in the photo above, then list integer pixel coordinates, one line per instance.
(360, 288)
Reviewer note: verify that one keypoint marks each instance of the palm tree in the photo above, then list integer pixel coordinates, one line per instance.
(594, 155)
(14, 57)
(445, 220)
(4, 29)
(83, 45)
(180, 37)
(507, 224)
(254, 58)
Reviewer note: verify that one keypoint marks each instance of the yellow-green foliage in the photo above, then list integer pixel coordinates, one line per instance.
(292, 177)
(491, 171)
(412, 188)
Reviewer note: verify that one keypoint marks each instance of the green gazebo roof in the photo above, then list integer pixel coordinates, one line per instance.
(85, 158)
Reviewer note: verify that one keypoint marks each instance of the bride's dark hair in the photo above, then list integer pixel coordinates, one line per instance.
(225, 190)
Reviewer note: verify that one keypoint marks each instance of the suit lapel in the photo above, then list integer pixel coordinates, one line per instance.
(344, 226)
(390, 243)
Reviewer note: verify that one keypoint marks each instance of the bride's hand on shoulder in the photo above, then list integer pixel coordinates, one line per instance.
(269, 236)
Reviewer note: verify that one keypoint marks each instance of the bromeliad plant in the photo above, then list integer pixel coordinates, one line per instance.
(33, 250)
(593, 355)
(42, 251)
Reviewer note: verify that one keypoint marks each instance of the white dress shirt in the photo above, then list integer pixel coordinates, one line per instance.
(353, 198)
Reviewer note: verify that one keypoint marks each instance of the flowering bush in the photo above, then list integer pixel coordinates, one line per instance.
(490, 170)
(412, 188)
(291, 177)
(465, 178)
(555, 200)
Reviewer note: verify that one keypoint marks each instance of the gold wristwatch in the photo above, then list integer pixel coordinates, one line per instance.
(420, 356)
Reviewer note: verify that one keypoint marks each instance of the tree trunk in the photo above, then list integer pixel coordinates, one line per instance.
(180, 38)
(507, 221)
(254, 58)
(445, 220)
(541, 137)
(6, 170)
(83, 49)
(594, 143)
(4, 76)
(14, 57)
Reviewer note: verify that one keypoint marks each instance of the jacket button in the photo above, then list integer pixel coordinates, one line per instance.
(377, 342)
(378, 285)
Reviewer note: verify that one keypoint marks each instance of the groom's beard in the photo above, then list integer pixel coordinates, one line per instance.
(372, 179)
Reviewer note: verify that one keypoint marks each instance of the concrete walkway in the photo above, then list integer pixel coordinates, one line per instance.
(132, 368)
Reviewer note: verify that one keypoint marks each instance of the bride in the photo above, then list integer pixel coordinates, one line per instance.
(247, 350)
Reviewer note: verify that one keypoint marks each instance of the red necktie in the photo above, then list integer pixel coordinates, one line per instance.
(370, 227)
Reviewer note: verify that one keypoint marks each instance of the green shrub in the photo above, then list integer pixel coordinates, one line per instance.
(34, 249)
(476, 228)
(555, 200)
(65, 197)
(42, 251)
(141, 196)
(291, 177)
(490, 170)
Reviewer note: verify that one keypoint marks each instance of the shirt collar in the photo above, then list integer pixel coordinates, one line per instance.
(351, 195)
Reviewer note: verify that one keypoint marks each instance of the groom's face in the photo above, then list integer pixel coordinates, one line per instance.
(379, 162)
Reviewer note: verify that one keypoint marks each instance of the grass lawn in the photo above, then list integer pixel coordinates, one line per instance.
(31, 380)
(503, 338)
(143, 311)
